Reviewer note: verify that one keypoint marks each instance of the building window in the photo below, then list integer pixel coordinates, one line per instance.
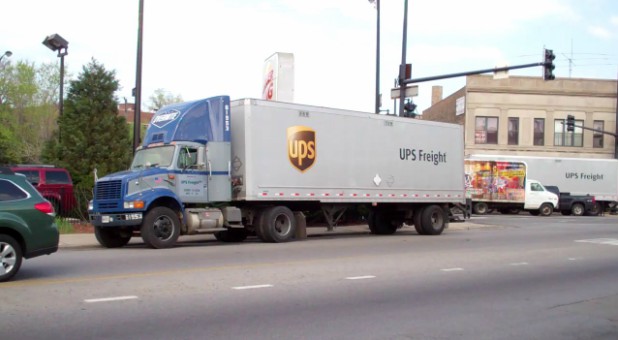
(597, 136)
(539, 131)
(562, 137)
(486, 131)
(513, 131)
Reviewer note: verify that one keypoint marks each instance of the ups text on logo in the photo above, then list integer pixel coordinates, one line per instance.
(301, 147)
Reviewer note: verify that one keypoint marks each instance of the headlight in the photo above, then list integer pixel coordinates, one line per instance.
(90, 206)
(134, 205)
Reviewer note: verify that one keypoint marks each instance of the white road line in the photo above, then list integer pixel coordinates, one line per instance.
(573, 259)
(451, 269)
(360, 277)
(109, 299)
(252, 287)
(519, 264)
(608, 241)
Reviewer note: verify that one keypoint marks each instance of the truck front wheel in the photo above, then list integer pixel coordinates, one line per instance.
(111, 237)
(160, 228)
(577, 209)
(277, 224)
(546, 209)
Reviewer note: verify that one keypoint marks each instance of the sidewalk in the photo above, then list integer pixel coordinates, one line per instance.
(88, 240)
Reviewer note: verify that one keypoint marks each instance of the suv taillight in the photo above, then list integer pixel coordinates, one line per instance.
(45, 207)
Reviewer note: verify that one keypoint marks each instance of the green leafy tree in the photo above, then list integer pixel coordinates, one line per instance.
(160, 98)
(91, 134)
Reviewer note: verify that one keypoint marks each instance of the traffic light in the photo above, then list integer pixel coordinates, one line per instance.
(548, 65)
(408, 109)
(570, 123)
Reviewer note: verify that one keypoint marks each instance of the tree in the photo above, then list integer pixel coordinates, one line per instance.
(91, 134)
(160, 98)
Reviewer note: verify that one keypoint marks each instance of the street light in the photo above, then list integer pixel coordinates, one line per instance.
(7, 53)
(377, 4)
(57, 43)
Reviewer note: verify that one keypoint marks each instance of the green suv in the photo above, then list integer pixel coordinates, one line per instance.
(27, 223)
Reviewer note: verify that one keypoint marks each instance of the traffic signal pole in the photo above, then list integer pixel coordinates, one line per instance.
(469, 73)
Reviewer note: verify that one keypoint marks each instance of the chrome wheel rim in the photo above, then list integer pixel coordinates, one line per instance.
(8, 258)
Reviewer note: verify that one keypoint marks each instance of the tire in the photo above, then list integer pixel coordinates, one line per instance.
(417, 218)
(383, 223)
(11, 257)
(578, 209)
(231, 235)
(277, 224)
(111, 237)
(433, 220)
(161, 228)
(597, 209)
(546, 209)
(480, 208)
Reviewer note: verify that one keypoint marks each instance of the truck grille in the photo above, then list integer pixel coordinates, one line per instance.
(108, 190)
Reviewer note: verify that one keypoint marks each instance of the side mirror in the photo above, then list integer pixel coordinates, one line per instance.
(201, 156)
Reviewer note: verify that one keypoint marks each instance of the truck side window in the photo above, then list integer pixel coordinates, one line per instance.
(187, 158)
(536, 187)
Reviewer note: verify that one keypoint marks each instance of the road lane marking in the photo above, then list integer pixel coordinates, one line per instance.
(110, 299)
(360, 277)
(252, 287)
(608, 241)
(452, 269)
(519, 264)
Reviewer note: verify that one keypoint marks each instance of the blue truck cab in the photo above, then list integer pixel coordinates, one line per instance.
(182, 166)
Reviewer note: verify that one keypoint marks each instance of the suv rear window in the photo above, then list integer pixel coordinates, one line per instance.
(57, 177)
(11, 192)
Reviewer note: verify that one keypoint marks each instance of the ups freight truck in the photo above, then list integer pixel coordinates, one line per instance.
(254, 167)
(577, 176)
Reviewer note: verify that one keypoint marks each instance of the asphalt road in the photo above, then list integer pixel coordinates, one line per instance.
(519, 277)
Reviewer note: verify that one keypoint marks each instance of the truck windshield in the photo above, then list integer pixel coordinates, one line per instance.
(153, 157)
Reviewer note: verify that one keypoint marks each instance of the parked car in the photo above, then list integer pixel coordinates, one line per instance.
(27, 223)
(576, 205)
(55, 184)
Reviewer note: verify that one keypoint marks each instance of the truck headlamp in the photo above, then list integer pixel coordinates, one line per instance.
(90, 206)
(134, 205)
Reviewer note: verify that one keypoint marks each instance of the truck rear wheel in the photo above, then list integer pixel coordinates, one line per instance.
(577, 209)
(382, 223)
(277, 224)
(480, 208)
(160, 228)
(416, 218)
(111, 237)
(546, 209)
(433, 220)
(10, 257)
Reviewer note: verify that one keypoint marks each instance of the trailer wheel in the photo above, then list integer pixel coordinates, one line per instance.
(577, 209)
(231, 235)
(111, 237)
(418, 213)
(480, 208)
(277, 224)
(546, 209)
(11, 257)
(433, 220)
(160, 228)
(597, 209)
(382, 223)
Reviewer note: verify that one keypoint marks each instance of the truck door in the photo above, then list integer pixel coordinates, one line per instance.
(218, 158)
(192, 181)
(535, 196)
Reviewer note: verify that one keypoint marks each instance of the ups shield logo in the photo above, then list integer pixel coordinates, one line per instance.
(301, 147)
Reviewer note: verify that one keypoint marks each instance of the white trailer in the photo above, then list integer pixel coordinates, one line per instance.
(236, 168)
(578, 176)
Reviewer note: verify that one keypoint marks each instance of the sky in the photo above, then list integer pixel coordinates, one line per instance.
(199, 49)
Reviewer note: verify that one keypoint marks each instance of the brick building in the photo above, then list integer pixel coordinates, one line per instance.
(128, 112)
(525, 115)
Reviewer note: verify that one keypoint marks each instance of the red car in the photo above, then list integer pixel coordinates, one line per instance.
(53, 183)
